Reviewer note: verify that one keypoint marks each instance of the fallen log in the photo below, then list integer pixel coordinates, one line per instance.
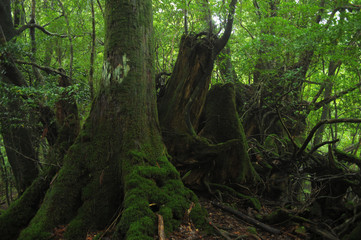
(247, 219)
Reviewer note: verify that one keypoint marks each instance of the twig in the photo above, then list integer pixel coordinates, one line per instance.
(161, 233)
(249, 33)
(222, 233)
(248, 219)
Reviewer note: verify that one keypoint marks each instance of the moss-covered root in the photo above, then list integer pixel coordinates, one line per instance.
(150, 190)
(251, 200)
(23, 210)
(60, 203)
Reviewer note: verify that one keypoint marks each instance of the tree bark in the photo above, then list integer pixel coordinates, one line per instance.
(6, 21)
(180, 109)
(333, 66)
(17, 135)
(222, 125)
(118, 164)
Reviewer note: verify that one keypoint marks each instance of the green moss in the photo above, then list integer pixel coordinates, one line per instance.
(252, 230)
(251, 200)
(60, 203)
(77, 229)
(133, 216)
(35, 232)
(17, 216)
(167, 214)
(155, 183)
(198, 215)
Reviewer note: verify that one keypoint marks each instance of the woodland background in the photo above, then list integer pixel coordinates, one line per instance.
(295, 67)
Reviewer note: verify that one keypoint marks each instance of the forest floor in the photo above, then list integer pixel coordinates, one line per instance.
(228, 226)
(225, 225)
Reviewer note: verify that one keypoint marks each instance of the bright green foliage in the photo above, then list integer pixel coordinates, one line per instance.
(278, 36)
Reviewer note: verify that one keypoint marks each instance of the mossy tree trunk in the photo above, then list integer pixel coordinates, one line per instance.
(181, 106)
(118, 167)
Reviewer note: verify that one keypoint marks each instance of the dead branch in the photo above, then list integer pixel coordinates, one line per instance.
(220, 232)
(286, 129)
(319, 124)
(41, 28)
(322, 144)
(323, 102)
(248, 219)
(46, 69)
(220, 43)
(323, 233)
(347, 157)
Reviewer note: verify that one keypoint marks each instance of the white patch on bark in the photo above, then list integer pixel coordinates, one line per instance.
(118, 74)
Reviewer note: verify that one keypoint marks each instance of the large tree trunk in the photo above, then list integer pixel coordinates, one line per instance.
(180, 108)
(226, 159)
(118, 164)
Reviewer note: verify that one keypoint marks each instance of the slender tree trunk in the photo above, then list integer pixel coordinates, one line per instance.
(6, 21)
(16, 134)
(70, 38)
(5, 177)
(333, 66)
(92, 54)
(225, 66)
(18, 13)
(36, 72)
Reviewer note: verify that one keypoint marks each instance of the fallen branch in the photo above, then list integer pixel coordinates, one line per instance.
(248, 219)
(220, 232)
(323, 233)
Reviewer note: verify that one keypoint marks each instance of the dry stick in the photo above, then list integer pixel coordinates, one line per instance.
(248, 218)
(219, 231)
(319, 124)
(161, 233)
